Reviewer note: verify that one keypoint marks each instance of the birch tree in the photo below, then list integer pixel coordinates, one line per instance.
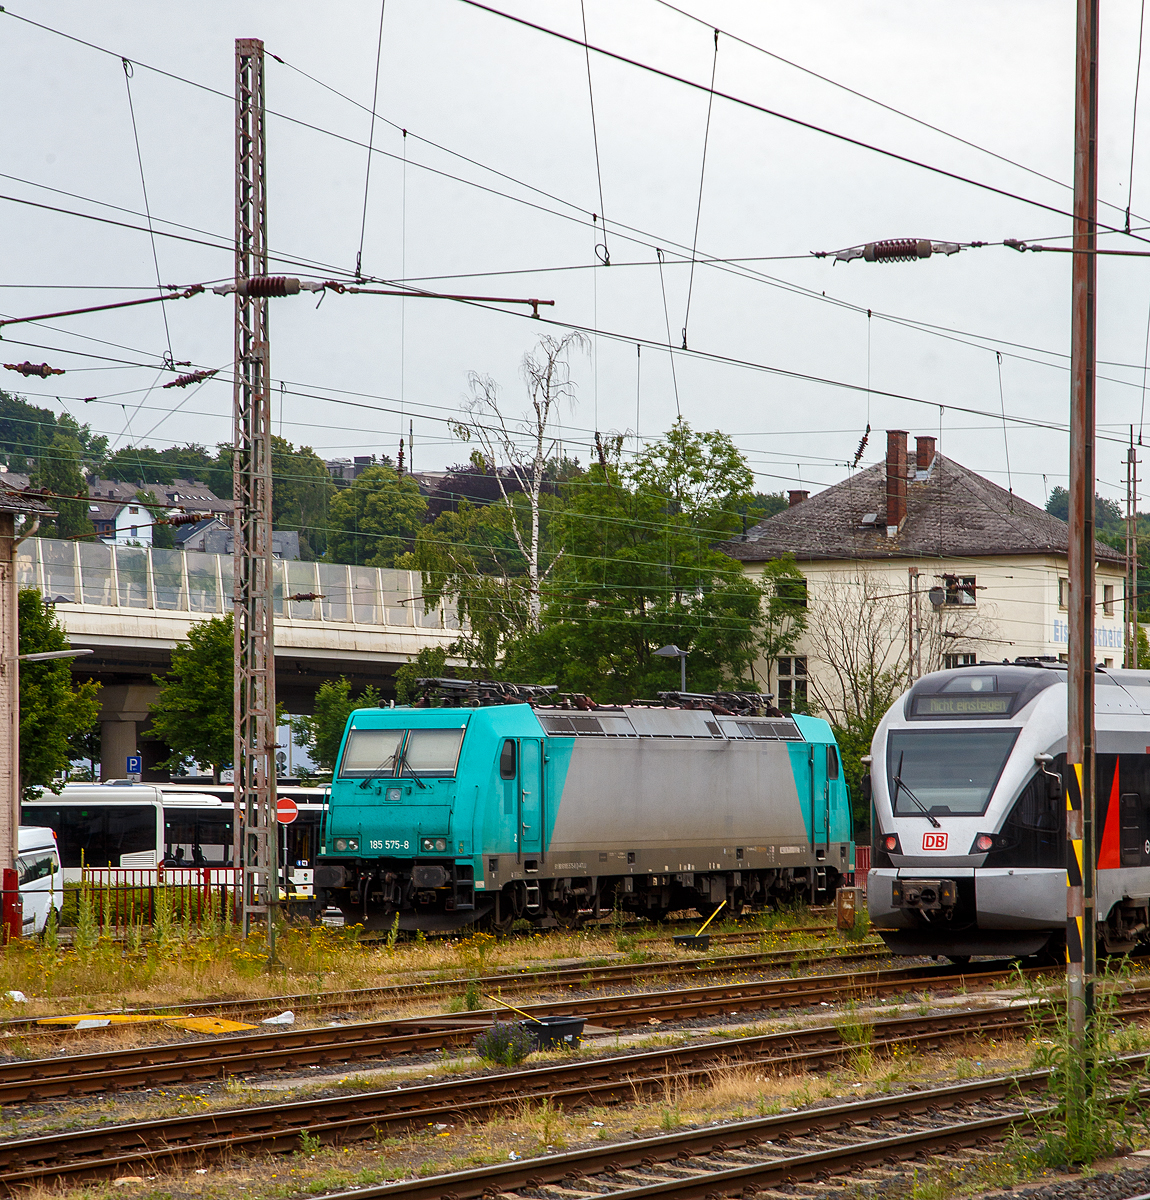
(524, 447)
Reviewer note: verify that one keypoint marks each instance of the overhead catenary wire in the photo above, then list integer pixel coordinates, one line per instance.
(1005, 437)
(699, 205)
(127, 64)
(370, 141)
(667, 321)
(605, 256)
(1134, 116)
(790, 119)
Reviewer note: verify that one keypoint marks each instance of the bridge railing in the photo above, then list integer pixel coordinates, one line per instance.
(145, 577)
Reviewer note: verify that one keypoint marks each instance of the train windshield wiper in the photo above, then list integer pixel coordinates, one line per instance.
(387, 764)
(403, 763)
(899, 786)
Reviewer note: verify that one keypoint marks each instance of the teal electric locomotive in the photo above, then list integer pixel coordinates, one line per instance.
(556, 812)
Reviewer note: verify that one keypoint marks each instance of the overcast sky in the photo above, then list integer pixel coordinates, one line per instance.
(496, 198)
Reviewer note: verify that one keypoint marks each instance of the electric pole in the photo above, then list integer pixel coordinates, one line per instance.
(1080, 858)
(254, 838)
(1131, 607)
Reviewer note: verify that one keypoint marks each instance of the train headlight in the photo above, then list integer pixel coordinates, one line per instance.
(433, 844)
(988, 841)
(890, 844)
(343, 845)
(393, 794)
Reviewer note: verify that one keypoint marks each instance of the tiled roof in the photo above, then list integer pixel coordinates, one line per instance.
(951, 513)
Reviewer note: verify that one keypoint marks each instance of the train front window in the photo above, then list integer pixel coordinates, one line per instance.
(370, 752)
(432, 751)
(949, 772)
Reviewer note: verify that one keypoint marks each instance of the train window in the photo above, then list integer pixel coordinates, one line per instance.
(370, 752)
(950, 772)
(507, 760)
(432, 751)
(832, 762)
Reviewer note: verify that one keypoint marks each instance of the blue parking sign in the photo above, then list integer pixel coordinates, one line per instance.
(135, 764)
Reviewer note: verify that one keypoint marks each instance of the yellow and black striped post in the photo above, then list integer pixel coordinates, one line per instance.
(1080, 857)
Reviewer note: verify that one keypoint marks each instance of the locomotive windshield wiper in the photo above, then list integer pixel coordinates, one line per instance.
(387, 763)
(403, 763)
(899, 786)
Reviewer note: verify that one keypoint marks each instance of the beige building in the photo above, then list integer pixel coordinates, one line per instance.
(916, 564)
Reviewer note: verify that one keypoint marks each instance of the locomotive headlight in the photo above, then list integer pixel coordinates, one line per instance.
(983, 842)
(989, 841)
(890, 844)
(345, 844)
(433, 844)
(393, 794)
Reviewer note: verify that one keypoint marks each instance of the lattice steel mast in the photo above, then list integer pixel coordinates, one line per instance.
(255, 692)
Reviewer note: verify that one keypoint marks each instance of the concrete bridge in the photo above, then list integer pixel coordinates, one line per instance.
(131, 604)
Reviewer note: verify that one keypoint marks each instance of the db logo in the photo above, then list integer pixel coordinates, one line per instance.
(934, 841)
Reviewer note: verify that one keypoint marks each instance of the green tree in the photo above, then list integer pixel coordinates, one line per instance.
(52, 711)
(429, 663)
(321, 733)
(193, 713)
(639, 571)
(143, 464)
(375, 519)
(470, 556)
(60, 474)
(86, 744)
(302, 491)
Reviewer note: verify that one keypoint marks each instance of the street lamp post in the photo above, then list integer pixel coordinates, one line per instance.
(681, 655)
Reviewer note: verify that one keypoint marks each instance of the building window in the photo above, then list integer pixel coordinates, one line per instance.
(133, 512)
(792, 683)
(134, 531)
(960, 589)
(950, 661)
(1064, 593)
(792, 591)
(1108, 599)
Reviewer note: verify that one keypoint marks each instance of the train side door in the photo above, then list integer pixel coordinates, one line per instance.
(820, 800)
(530, 796)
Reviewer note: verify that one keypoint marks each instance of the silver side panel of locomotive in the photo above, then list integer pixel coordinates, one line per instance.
(1018, 908)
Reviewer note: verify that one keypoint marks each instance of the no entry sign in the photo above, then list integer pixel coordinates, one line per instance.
(286, 810)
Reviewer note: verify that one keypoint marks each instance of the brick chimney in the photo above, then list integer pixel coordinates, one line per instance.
(924, 452)
(895, 479)
(796, 497)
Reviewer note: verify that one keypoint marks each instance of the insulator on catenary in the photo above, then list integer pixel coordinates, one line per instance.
(27, 368)
(301, 597)
(182, 519)
(268, 285)
(195, 377)
(897, 250)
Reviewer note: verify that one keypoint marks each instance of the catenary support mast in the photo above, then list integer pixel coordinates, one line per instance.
(1080, 860)
(1131, 606)
(255, 698)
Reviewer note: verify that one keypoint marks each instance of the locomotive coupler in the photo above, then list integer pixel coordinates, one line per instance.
(924, 895)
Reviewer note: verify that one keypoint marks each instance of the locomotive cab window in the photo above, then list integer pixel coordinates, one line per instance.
(370, 752)
(832, 762)
(432, 751)
(507, 760)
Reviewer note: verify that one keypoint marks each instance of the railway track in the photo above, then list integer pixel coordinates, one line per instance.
(271, 1049)
(525, 980)
(747, 1158)
(83, 1154)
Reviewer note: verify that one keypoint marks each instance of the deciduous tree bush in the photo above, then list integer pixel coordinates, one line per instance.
(375, 519)
(321, 733)
(53, 711)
